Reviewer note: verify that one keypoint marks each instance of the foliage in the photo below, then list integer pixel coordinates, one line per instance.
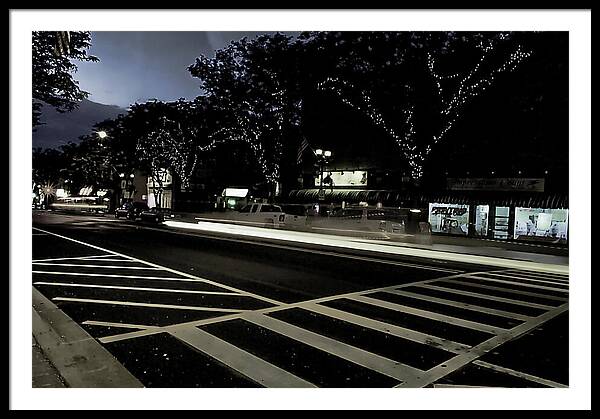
(52, 70)
(413, 88)
(252, 85)
(402, 80)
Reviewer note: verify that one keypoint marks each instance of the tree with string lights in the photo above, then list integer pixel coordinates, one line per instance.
(153, 150)
(250, 83)
(405, 64)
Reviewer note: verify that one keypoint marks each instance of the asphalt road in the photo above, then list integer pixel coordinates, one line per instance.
(180, 309)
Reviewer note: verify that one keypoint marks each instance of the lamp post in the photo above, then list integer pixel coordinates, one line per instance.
(130, 186)
(323, 157)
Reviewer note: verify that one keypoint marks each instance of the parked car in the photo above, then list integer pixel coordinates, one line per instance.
(262, 214)
(153, 215)
(297, 215)
(131, 210)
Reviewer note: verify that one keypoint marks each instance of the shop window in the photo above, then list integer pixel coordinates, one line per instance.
(449, 218)
(541, 222)
(501, 223)
(481, 220)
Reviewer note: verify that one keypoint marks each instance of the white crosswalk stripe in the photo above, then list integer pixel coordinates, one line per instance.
(447, 307)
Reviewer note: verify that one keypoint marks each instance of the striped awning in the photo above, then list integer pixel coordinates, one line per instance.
(406, 198)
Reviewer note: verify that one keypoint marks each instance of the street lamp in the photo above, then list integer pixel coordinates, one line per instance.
(323, 157)
(102, 134)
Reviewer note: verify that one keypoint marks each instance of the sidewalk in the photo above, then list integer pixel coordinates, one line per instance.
(532, 252)
(65, 355)
(43, 373)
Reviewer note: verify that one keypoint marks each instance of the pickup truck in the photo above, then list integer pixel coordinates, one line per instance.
(260, 214)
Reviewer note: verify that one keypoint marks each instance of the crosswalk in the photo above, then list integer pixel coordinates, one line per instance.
(406, 335)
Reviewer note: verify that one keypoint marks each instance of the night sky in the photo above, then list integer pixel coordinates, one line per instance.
(137, 66)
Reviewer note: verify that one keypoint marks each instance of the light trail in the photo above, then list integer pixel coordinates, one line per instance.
(366, 245)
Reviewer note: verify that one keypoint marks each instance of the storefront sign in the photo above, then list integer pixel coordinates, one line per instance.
(343, 178)
(449, 218)
(235, 192)
(496, 184)
(85, 191)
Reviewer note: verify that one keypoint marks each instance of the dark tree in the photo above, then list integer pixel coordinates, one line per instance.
(48, 166)
(252, 84)
(413, 86)
(52, 70)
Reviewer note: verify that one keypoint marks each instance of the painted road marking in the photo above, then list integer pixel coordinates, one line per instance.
(519, 374)
(269, 375)
(526, 272)
(116, 260)
(69, 258)
(301, 304)
(97, 266)
(429, 314)
(253, 367)
(510, 290)
(522, 284)
(487, 297)
(123, 325)
(460, 304)
(184, 274)
(540, 279)
(459, 361)
(116, 287)
(136, 304)
(161, 278)
(391, 329)
(342, 350)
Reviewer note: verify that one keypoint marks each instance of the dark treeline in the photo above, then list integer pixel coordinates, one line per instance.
(420, 104)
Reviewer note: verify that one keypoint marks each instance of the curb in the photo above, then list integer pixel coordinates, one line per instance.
(79, 358)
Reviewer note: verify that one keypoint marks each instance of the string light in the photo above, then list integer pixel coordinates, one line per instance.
(260, 124)
(176, 151)
(405, 142)
(469, 86)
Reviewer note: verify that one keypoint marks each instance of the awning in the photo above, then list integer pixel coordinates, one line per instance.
(416, 199)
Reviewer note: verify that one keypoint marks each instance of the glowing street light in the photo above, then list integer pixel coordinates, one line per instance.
(102, 134)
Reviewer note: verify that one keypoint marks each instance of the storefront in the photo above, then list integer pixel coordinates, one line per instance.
(500, 222)
(500, 215)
